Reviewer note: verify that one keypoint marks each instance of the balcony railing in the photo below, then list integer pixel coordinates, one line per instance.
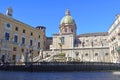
(22, 45)
(15, 43)
(5, 43)
(31, 46)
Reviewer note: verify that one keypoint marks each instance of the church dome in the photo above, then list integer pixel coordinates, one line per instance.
(67, 19)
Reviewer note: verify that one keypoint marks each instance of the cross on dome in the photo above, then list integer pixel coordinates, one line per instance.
(67, 12)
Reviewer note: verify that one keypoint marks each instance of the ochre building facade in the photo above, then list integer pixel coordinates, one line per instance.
(19, 41)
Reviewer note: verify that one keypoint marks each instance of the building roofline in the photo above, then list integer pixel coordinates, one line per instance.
(93, 34)
(62, 33)
(49, 38)
(16, 20)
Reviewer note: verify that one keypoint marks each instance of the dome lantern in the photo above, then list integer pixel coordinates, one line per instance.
(67, 12)
(67, 19)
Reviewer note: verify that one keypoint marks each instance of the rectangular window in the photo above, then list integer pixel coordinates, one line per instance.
(75, 42)
(92, 43)
(14, 49)
(15, 38)
(13, 57)
(31, 33)
(22, 50)
(23, 30)
(39, 36)
(7, 36)
(38, 44)
(31, 42)
(16, 28)
(23, 40)
(63, 40)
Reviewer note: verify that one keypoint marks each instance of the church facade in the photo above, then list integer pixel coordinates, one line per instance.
(83, 47)
(96, 47)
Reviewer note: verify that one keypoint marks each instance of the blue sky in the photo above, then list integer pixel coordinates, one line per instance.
(90, 15)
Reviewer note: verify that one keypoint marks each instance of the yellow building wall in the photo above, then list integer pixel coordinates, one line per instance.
(38, 35)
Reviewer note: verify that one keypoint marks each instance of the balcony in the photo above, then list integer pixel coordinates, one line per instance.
(31, 46)
(22, 45)
(4, 44)
(15, 43)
